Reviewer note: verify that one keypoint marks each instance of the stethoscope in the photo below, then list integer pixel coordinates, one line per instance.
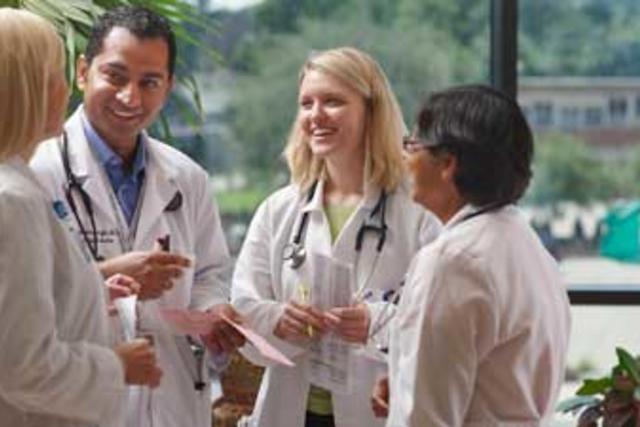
(295, 251)
(74, 184)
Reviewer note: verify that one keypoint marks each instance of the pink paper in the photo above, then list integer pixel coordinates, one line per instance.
(261, 344)
(187, 322)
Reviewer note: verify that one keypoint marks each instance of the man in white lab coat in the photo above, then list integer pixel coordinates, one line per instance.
(482, 328)
(128, 191)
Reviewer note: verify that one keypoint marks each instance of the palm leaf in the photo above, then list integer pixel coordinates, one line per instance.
(73, 20)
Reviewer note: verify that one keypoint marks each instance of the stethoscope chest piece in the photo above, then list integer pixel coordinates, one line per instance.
(295, 253)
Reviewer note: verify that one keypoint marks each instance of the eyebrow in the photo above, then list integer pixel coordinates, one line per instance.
(120, 67)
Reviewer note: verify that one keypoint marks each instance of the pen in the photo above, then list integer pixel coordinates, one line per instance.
(303, 290)
(164, 243)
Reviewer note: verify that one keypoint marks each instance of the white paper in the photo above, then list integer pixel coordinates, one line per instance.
(127, 313)
(331, 284)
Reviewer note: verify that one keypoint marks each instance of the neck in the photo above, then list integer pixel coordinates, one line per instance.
(452, 208)
(345, 179)
(126, 151)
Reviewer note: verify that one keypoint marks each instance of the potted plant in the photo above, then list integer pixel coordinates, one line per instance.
(613, 399)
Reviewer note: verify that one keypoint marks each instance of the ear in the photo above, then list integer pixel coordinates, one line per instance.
(82, 72)
(449, 166)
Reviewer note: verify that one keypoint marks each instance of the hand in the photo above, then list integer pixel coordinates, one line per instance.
(139, 362)
(153, 270)
(380, 398)
(120, 286)
(223, 337)
(350, 323)
(300, 323)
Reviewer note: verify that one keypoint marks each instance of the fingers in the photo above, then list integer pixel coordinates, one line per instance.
(120, 286)
(161, 258)
(223, 339)
(350, 323)
(139, 362)
(380, 398)
(307, 315)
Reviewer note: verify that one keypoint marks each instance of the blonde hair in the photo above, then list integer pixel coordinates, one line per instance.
(384, 126)
(30, 51)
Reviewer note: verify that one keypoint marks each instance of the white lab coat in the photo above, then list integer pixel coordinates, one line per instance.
(195, 230)
(263, 283)
(482, 328)
(55, 367)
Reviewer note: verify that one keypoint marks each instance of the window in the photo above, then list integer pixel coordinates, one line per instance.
(618, 110)
(593, 116)
(543, 114)
(586, 175)
(569, 117)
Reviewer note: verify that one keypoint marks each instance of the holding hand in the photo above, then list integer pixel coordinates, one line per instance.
(380, 398)
(139, 361)
(120, 286)
(223, 337)
(153, 270)
(299, 323)
(350, 323)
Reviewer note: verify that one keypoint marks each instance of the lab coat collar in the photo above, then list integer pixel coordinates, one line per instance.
(160, 186)
(468, 211)
(371, 197)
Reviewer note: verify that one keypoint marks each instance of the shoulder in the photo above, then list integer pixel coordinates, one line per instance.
(20, 196)
(281, 201)
(46, 159)
(175, 163)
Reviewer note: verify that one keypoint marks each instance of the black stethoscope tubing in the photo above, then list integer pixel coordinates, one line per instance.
(74, 185)
(295, 252)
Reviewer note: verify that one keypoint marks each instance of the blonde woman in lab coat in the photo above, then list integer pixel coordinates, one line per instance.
(482, 328)
(56, 368)
(347, 203)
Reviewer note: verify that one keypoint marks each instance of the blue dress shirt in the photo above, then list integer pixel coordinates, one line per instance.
(126, 184)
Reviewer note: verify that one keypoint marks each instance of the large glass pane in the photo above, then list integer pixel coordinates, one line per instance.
(579, 84)
(250, 95)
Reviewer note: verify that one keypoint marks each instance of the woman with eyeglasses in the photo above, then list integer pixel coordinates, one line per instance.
(346, 211)
(482, 327)
(57, 368)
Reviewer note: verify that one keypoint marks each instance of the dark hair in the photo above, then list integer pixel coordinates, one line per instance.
(489, 136)
(140, 21)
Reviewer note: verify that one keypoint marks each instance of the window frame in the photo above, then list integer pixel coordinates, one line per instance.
(504, 76)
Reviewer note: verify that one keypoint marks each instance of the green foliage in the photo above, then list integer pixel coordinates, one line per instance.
(413, 41)
(607, 32)
(565, 169)
(73, 20)
(615, 399)
(239, 201)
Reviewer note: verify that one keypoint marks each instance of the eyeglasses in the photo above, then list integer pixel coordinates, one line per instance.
(413, 144)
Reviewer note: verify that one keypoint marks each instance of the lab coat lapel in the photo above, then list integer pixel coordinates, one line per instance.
(86, 168)
(318, 234)
(159, 189)
(365, 261)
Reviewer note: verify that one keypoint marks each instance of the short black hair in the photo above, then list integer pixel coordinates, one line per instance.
(140, 21)
(488, 134)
